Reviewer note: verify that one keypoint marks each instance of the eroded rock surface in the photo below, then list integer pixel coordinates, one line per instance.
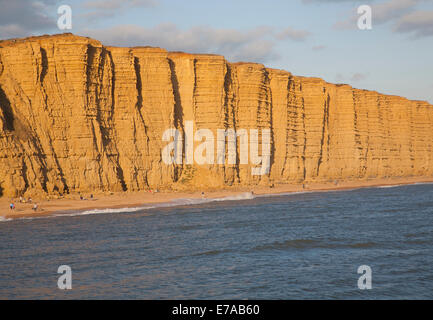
(77, 116)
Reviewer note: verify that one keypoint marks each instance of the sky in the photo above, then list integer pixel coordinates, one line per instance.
(317, 38)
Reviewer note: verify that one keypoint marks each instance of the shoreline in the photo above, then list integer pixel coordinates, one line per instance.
(120, 200)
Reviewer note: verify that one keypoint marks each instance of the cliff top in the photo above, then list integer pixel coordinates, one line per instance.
(70, 37)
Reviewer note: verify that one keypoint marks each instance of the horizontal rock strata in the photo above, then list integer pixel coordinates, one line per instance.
(77, 116)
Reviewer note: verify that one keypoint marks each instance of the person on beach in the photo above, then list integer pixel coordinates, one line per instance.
(35, 207)
(12, 206)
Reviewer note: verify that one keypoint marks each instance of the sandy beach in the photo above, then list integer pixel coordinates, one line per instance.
(71, 203)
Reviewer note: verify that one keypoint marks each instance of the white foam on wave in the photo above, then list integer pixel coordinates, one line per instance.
(195, 201)
(99, 211)
(3, 219)
(417, 183)
(266, 195)
(391, 186)
(173, 203)
(404, 184)
(242, 196)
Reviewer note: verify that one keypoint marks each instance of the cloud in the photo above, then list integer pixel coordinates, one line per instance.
(27, 17)
(293, 34)
(336, 1)
(257, 44)
(401, 13)
(391, 10)
(100, 9)
(381, 13)
(419, 23)
(358, 77)
(318, 48)
(339, 78)
(355, 77)
(116, 4)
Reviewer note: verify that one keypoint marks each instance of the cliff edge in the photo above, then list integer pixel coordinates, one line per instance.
(77, 116)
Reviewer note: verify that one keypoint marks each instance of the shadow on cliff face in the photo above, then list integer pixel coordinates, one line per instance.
(44, 64)
(5, 107)
(178, 112)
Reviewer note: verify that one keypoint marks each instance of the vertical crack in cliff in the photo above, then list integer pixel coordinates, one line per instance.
(119, 170)
(39, 157)
(8, 115)
(194, 90)
(227, 79)
(92, 91)
(358, 143)
(325, 122)
(178, 112)
(139, 87)
(231, 87)
(44, 72)
(304, 151)
(269, 101)
(138, 84)
(289, 130)
(44, 64)
(24, 174)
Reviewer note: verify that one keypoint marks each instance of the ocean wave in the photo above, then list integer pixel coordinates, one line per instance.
(212, 252)
(100, 211)
(391, 186)
(313, 244)
(294, 244)
(418, 183)
(3, 219)
(242, 196)
(266, 195)
(195, 201)
(173, 203)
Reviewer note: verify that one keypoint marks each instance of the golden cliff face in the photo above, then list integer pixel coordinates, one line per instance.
(80, 117)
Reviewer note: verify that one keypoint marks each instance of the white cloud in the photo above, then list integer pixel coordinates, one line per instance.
(419, 23)
(355, 77)
(401, 13)
(26, 17)
(358, 77)
(116, 4)
(318, 48)
(100, 9)
(336, 1)
(293, 34)
(391, 10)
(381, 13)
(257, 44)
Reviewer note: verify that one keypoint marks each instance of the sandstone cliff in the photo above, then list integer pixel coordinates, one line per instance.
(79, 116)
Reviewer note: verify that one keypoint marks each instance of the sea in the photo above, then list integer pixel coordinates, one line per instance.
(369, 243)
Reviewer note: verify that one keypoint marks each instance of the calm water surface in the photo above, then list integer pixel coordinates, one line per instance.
(299, 246)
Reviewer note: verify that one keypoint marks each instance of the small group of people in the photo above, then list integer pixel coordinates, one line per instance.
(34, 207)
(82, 198)
(23, 200)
